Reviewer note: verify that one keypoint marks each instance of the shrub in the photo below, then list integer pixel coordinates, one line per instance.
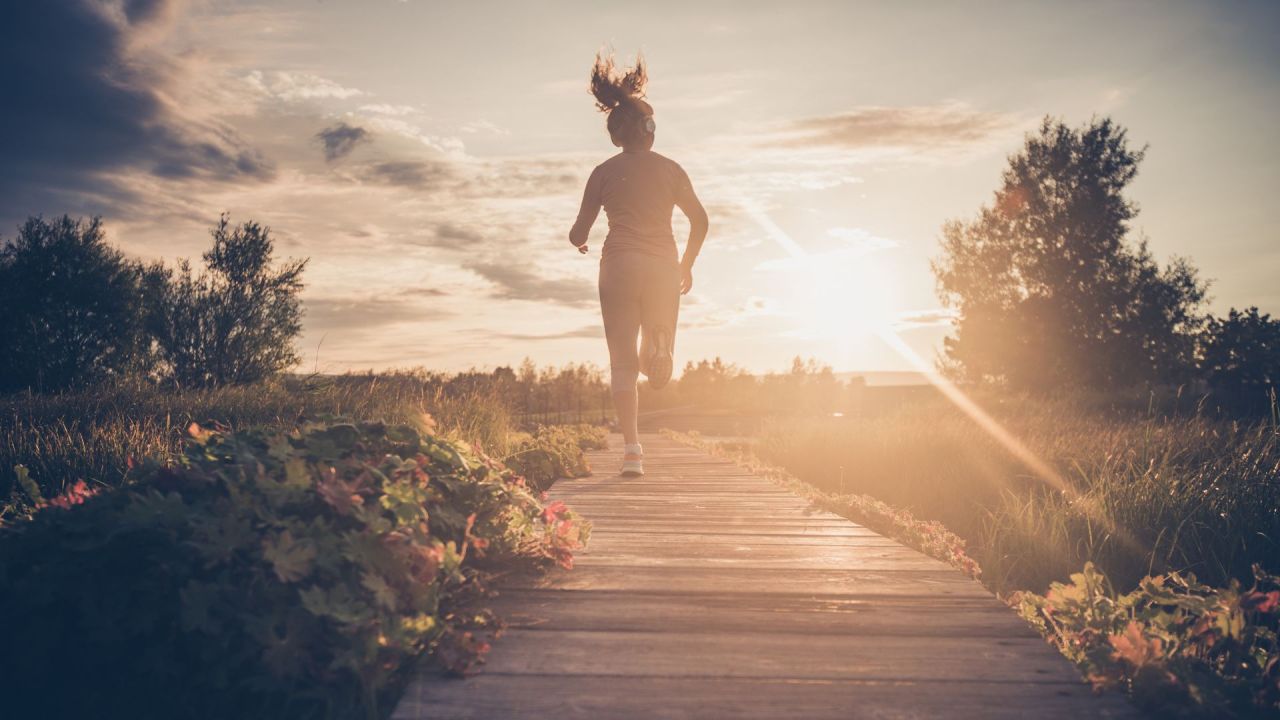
(265, 575)
(90, 435)
(1242, 360)
(72, 310)
(555, 451)
(233, 324)
(1179, 647)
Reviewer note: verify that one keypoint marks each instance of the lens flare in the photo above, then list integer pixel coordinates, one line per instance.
(1041, 470)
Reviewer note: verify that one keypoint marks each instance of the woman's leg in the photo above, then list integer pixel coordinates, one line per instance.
(659, 313)
(620, 306)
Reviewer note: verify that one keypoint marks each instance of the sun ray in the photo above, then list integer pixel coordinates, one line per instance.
(1041, 470)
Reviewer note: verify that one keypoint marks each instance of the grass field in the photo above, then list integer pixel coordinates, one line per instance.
(293, 547)
(95, 435)
(1143, 492)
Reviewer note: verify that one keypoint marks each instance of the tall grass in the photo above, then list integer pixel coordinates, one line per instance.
(1145, 493)
(95, 435)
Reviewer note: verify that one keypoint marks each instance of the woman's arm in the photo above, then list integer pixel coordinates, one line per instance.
(587, 214)
(688, 202)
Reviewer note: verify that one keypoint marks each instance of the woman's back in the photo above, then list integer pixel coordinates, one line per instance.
(638, 191)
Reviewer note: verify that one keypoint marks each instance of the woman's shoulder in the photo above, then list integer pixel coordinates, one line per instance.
(664, 159)
(611, 164)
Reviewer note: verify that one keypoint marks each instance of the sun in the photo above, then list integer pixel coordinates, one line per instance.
(839, 298)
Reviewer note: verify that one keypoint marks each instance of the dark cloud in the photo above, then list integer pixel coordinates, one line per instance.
(339, 140)
(516, 283)
(81, 100)
(920, 126)
(142, 11)
(424, 292)
(586, 331)
(454, 236)
(415, 174)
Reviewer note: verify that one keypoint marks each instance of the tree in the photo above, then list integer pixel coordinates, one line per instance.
(234, 323)
(72, 310)
(1048, 287)
(1241, 359)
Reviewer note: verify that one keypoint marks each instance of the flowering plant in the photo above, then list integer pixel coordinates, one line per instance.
(268, 573)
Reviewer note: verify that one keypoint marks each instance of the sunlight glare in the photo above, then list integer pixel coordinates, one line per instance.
(841, 297)
(828, 289)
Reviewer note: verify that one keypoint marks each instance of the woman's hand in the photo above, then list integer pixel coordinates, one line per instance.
(686, 279)
(582, 248)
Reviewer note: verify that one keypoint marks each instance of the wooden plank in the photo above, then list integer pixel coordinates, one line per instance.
(633, 525)
(532, 697)
(768, 655)
(746, 506)
(607, 538)
(742, 613)
(767, 581)
(707, 591)
(697, 556)
(695, 520)
(650, 492)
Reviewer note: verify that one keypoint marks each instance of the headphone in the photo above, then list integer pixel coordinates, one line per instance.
(649, 124)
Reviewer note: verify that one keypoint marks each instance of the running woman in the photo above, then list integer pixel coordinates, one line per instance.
(641, 274)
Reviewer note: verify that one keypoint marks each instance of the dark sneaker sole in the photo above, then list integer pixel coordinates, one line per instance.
(660, 361)
(630, 473)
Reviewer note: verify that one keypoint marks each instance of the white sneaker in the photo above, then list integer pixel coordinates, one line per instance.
(632, 461)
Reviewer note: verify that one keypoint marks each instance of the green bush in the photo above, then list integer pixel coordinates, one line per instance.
(1180, 648)
(72, 307)
(555, 451)
(233, 324)
(264, 574)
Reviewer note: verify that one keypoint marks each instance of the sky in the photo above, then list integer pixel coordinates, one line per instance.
(429, 157)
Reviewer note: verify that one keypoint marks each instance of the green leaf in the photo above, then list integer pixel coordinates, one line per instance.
(290, 559)
(28, 485)
(383, 593)
(296, 474)
(198, 600)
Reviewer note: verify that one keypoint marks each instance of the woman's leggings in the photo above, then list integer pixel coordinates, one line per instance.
(637, 291)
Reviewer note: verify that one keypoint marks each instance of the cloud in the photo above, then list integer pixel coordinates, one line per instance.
(87, 97)
(336, 314)
(414, 174)
(455, 236)
(515, 283)
(298, 86)
(586, 331)
(483, 125)
(754, 306)
(142, 11)
(388, 109)
(854, 243)
(916, 319)
(339, 140)
(424, 292)
(527, 177)
(912, 127)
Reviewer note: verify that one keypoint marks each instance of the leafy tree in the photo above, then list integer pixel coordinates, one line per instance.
(1242, 359)
(72, 307)
(234, 323)
(1049, 288)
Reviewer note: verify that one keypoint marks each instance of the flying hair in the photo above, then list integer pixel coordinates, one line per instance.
(612, 87)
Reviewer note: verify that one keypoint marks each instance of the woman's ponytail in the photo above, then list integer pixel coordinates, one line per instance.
(612, 88)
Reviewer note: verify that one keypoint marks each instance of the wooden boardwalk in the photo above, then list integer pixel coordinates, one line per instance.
(708, 592)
